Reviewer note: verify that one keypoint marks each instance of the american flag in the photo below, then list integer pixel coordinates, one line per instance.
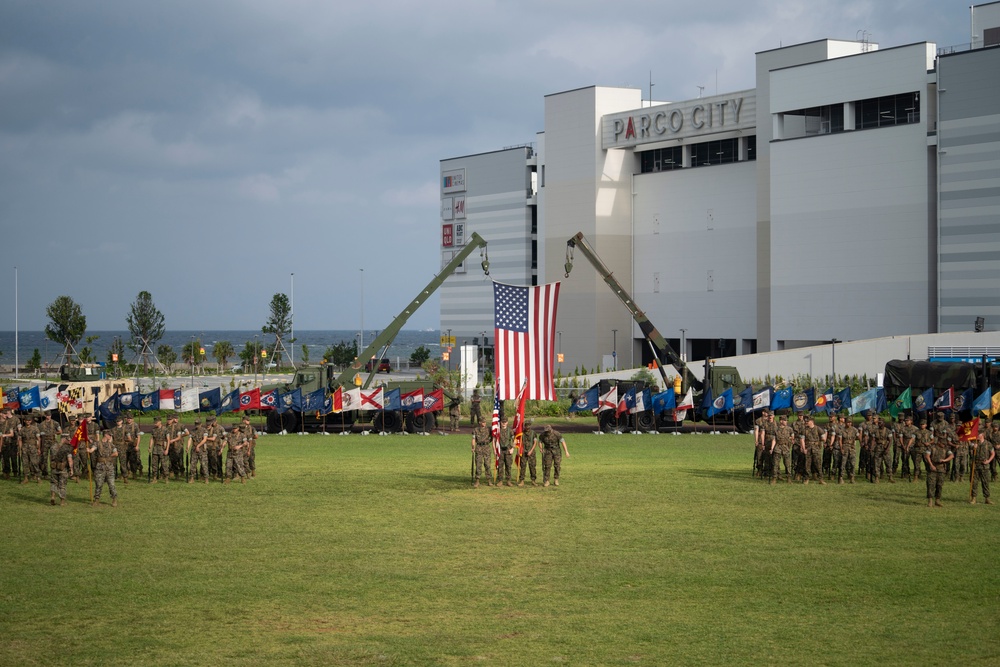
(525, 330)
(495, 427)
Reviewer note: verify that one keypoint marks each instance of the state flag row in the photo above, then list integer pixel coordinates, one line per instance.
(319, 401)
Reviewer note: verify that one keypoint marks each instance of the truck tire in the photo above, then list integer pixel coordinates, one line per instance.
(424, 423)
(388, 421)
(645, 421)
(743, 421)
(609, 423)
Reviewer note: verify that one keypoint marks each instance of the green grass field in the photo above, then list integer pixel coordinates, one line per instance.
(655, 550)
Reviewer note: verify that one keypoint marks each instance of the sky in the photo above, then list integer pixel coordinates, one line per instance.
(206, 151)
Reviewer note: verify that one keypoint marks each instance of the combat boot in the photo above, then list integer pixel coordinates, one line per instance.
(24, 481)
(972, 501)
(95, 503)
(773, 481)
(556, 482)
(521, 483)
(243, 480)
(930, 502)
(534, 483)
(62, 502)
(851, 480)
(938, 503)
(987, 502)
(52, 499)
(114, 502)
(545, 483)
(840, 480)
(225, 481)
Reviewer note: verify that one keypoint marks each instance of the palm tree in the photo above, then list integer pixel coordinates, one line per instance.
(222, 351)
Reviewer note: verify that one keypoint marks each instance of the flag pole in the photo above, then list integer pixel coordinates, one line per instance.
(972, 474)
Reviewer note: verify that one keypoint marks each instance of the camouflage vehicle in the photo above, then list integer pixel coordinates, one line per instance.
(312, 378)
(719, 378)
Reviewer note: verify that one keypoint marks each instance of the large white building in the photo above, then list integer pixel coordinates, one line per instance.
(854, 193)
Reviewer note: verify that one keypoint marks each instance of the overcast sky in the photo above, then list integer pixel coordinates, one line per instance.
(204, 151)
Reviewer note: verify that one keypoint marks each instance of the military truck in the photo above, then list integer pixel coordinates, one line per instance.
(312, 378)
(719, 378)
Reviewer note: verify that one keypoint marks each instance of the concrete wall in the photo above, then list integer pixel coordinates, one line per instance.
(851, 225)
(587, 189)
(969, 167)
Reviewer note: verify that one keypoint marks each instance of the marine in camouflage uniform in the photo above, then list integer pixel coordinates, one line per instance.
(176, 433)
(882, 451)
(8, 442)
(960, 468)
(983, 456)
(529, 457)
(781, 447)
(811, 445)
(31, 452)
(234, 456)
(758, 443)
(454, 413)
(198, 452)
(994, 438)
(506, 453)
(551, 441)
(482, 448)
(133, 456)
(848, 441)
(158, 452)
(922, 442)
(768, 430)
(937, 457)
(216, 439)
(249, 435)
(104, 467)
(798, 459)
(50, 430)
(908, 440)
(831, 442)
(60, 457)
(118, 439)
(475, 411)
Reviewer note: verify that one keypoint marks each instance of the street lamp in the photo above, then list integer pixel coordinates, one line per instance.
(362, 344)
(448, 345)
(256, 356)
(559, 350)
(291, 323)
(192, 360)
(683, 346)
(614, 347)
(833, 358)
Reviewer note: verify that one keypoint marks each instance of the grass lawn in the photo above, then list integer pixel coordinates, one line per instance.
(655, 550)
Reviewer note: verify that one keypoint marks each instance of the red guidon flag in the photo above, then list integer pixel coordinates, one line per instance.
(519, 426)
(79, 435)
(525, 330)
(969, 431)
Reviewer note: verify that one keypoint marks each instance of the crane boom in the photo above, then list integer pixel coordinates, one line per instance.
(662, 351)
(387, 335)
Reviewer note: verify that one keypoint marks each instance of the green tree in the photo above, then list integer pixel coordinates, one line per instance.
(222, 351)
(167, 357)
(341, 354)
(117, 348)
(67, 324)
(145, 325)
(250, 354)
(279, 324)
(193, 353)
(35, 363)
(420, 355)
(87, 352)
(305, 353)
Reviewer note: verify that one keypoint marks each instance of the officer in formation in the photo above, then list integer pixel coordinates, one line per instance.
(780, 448)
(454, 412)
(983, 455)
(506, 459)
(475, 413)
(104, 467)
(551, 441)
(482, 449)
(132, 435)
(249, 437)
(529, 457)
(197, 451)
(31, 451)
(60, 457)
(8, 442)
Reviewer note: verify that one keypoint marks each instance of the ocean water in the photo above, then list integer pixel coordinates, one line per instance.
(316, 341)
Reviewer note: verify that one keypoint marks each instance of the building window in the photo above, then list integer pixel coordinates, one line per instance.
(661, 159)
(889, 110)
(752, 147)
(723, 151)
